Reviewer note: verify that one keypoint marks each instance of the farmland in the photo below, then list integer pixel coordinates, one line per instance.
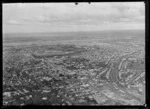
(78, 68)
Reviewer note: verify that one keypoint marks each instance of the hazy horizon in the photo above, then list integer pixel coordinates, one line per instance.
(65, 33)
(74, 31)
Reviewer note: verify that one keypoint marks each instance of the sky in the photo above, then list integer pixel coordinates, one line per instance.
(66, 17)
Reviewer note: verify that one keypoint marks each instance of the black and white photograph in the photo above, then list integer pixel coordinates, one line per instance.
(62, 54)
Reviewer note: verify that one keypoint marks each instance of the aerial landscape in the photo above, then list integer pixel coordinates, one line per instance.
(101, 67)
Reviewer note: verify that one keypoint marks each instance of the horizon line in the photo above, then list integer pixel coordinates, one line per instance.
(68, 31)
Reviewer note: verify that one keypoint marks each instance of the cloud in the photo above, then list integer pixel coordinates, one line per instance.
(96, 15)
(13, 22)
(70, 13)
(27, 19)
(130, 11)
